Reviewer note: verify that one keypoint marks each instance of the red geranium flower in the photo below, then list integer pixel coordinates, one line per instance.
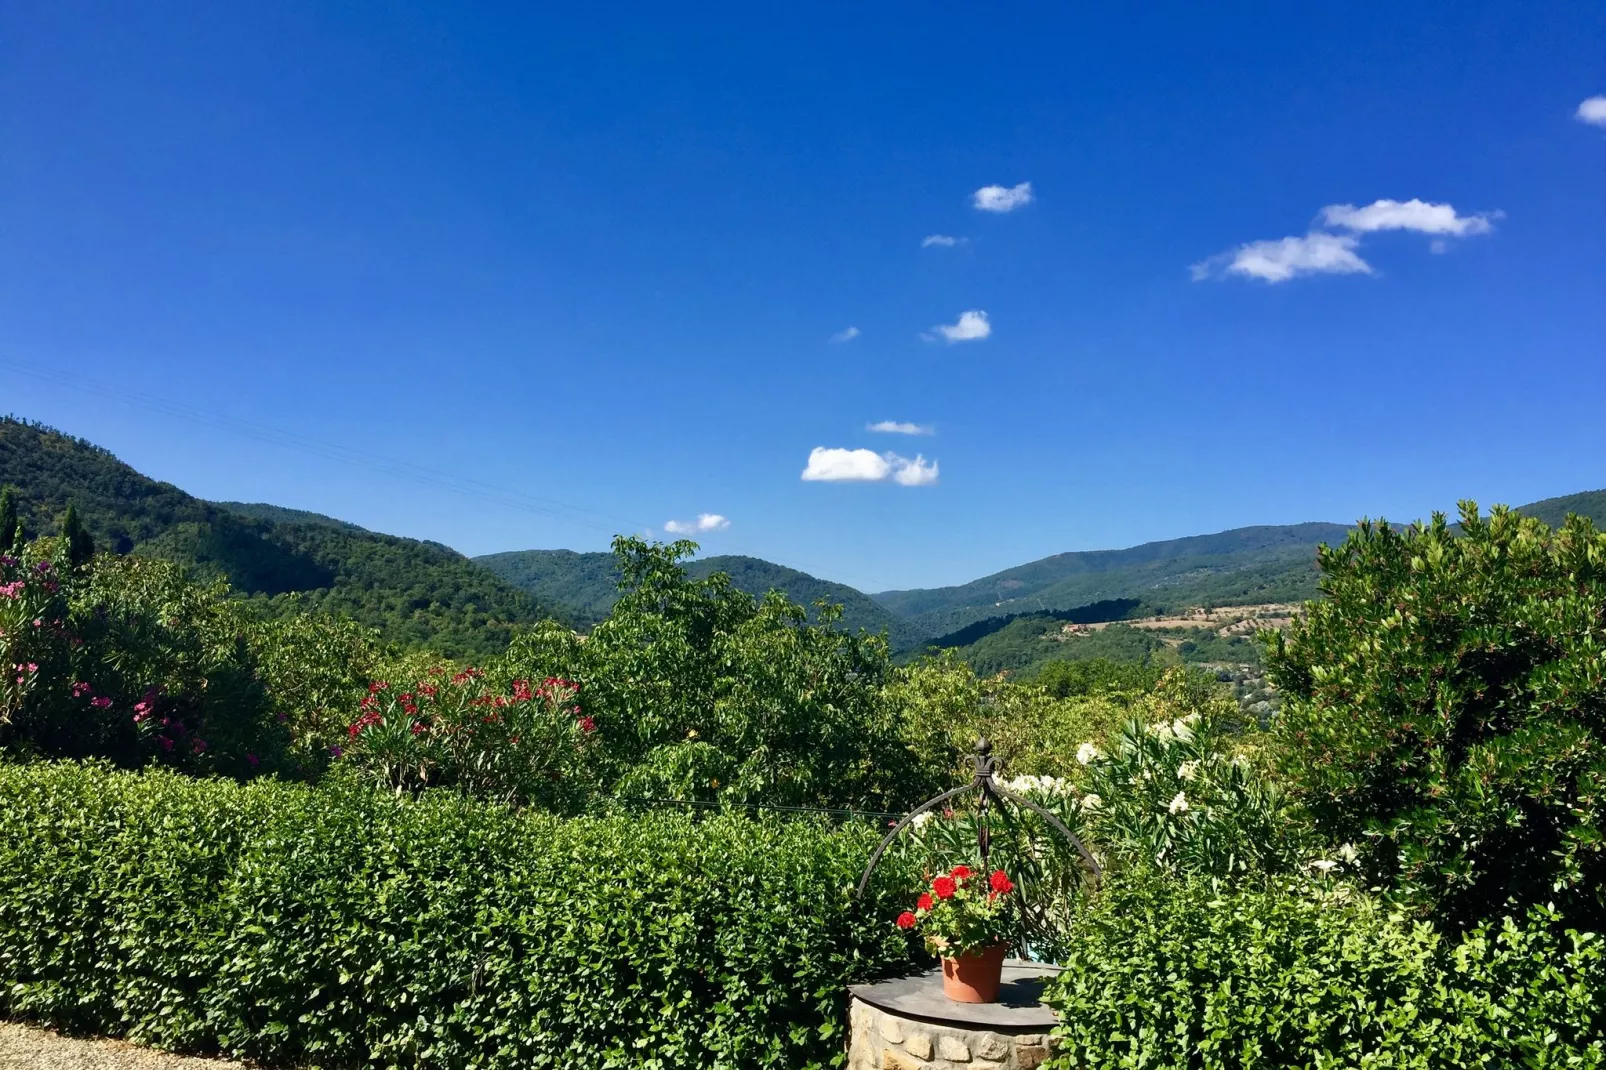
(1001, 882)
(924, 902)
(960, 873)
(944, 887)
(906, 920)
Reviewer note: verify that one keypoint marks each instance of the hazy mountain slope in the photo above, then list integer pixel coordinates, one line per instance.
(586, 583)
(416, 593)
(1255, 564)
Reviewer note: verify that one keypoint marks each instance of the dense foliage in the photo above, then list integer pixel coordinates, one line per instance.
(699, 691)
(1164, 975)
(346, 927)
(128, 661)
(1445, 707)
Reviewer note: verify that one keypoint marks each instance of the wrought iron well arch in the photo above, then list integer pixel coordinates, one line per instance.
(984, 780)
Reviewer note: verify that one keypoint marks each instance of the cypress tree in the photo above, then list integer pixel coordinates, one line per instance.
(80, 544)
(10, 524)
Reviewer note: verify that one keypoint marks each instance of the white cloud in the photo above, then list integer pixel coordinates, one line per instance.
(946, 241)
(1000, 199)
(1317, 253)
(846, 335)
(1592, 111)
(916, 473)
(1414, 214)
(898, 427)
(704, 522)
(837, 465)
(972, 326)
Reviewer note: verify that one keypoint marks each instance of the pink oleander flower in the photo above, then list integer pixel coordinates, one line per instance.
(100, 703)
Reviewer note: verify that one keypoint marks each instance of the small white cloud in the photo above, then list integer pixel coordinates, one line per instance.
(837, 465)
(899, 427)
(1416, 215)
(1316, 253)
(945, 241)
(971, 326)
(1592, 111)
(1001, 199)
(705, 522)
(846, 335)
(916, 473)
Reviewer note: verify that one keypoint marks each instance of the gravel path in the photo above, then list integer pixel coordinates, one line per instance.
(23, 1047)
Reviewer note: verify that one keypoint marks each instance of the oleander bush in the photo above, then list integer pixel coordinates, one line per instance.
(343, 926)
(1162, 975)
(1445, 710)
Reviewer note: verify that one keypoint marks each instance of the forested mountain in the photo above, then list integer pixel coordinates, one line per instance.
(417, 593)
(280, 515)
(424, 593)
(1238, 567)
(1256, 564)
(586, 585)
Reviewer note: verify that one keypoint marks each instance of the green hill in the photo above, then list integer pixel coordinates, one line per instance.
(416, 593)
(586, 584)
(1245, 565)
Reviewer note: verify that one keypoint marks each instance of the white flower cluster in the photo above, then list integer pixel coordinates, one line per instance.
(1086, 753)
(1040, 785)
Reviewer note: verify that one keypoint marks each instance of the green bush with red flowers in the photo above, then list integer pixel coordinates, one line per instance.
(528, 746)
(342, 926)
(964, 912)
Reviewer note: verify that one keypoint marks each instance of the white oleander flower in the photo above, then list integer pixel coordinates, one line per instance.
(1160, 729)
(1188, 770)
(921, 818)
(1179, 805)
(1086, 753)
(1348, 853)
(1324, 865)
(1091, 801)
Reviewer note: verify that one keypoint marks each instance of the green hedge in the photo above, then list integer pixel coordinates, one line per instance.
(1173, 978)
(339, 927)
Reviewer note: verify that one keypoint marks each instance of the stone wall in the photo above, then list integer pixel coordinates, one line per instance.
(885, 1041)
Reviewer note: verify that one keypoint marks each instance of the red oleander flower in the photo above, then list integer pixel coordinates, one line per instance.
(944, 887)
(960, 873)
(924, 902)
(906, 920)
(1000, 882)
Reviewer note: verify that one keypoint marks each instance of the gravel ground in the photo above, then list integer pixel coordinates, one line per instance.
(23, 1046)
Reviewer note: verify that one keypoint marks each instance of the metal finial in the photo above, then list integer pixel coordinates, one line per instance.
(984, 746)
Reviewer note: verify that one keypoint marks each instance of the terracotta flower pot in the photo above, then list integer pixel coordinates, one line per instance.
(973, 978)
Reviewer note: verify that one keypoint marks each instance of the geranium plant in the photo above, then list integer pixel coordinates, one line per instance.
(965, 912)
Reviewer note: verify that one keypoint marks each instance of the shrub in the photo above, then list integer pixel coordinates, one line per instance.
(528, 747)
(1446, 705)
(1162, 975)
(341, 926)
(791, 712)
(126, 659)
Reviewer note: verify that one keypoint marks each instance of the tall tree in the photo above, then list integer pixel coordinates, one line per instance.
(10, 525)
(80, 544)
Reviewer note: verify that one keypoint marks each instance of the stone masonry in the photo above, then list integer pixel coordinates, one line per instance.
(883, 1040)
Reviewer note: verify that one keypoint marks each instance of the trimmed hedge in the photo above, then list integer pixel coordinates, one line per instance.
(1162, 977)
(340, 927)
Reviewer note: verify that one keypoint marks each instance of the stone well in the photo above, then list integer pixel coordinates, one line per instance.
(909, 1023)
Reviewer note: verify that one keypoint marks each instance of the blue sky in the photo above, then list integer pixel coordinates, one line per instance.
(587, 264)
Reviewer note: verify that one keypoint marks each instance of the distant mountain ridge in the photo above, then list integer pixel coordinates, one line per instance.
(587, 584)
(424, 593)
(416, 593)
(1254, 564)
